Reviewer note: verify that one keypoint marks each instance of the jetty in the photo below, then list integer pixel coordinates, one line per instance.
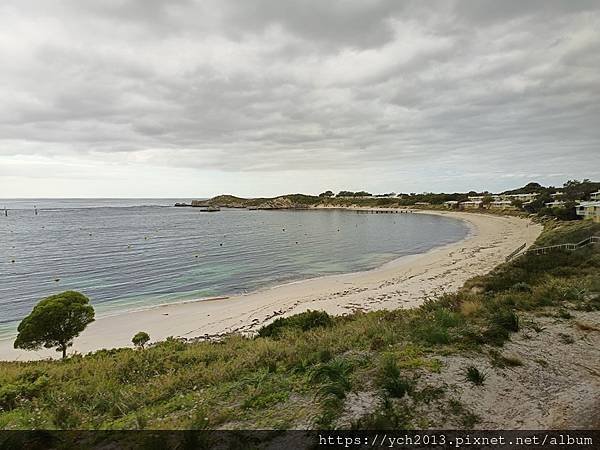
(381, 210)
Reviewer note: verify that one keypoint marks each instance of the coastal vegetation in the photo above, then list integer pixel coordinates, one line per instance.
(55, 322)
(365, 370)
(571, 192)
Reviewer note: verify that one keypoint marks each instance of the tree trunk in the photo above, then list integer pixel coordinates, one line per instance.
(64, 351)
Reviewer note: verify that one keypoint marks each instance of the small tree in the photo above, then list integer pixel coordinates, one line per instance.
(55, 322)
(487, 200)
(140, 339)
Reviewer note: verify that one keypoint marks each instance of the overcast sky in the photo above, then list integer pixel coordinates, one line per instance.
(128, 98)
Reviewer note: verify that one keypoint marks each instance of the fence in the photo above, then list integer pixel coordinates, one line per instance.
(543, 250)
(516, 252)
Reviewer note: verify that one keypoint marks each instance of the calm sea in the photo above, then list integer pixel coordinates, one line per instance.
(135, 253)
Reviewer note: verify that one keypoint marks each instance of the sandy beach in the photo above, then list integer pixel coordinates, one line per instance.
(403, 283)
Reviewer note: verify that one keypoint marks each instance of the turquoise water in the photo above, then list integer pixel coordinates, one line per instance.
(124, 255)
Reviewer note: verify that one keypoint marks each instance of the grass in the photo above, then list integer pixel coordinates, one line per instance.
(391, 379)
(475, 376)
(299, 371)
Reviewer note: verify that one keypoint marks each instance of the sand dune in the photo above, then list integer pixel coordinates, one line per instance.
(403, 283)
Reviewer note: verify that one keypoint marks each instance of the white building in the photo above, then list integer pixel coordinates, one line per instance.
(554, 204)
(471, 204)
(521, 197)
(475, 198)
(595, 196)
(502, 204)
(451, 204)
(589, 210)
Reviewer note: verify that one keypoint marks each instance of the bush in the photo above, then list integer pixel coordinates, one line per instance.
(521, 287)
(505, 318)
(392, 381)
(303, 322)
(475, 376)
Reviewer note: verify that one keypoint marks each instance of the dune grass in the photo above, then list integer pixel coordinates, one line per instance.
(301, 372)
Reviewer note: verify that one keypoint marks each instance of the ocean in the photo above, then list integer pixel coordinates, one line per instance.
(137, 253)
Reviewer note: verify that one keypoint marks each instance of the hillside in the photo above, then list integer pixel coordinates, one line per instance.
(516, 348)
(571, 190)
(281, 202)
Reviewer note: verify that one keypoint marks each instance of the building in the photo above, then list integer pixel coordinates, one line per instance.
(502, 204)
(521, 197)
(554, 204)
(557, 194)
(451, 204)
(475, 198)
(595, 196)
(471, 204)
(589, 210)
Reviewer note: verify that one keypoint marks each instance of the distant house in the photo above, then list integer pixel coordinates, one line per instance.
(555, 204)
(557, 194)
(521, 197)
(471, 204)
(476, 198)
(451, 204)
(589, 210)
(501, 204)
(595, 196)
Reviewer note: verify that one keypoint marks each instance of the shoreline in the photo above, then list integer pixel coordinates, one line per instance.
(403, 282)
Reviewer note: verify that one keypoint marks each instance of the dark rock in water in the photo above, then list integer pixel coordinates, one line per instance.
(181, 205)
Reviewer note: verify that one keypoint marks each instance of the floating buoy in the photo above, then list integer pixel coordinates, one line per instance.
(57, 279)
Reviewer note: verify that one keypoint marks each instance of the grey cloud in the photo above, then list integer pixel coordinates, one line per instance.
(271, 85)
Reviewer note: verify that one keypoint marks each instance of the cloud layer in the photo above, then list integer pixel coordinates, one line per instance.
(279, 96)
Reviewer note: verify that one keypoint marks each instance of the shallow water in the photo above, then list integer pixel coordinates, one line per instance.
(127, 257)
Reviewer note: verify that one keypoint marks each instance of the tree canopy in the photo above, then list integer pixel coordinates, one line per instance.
(55, 322)
(140, 339)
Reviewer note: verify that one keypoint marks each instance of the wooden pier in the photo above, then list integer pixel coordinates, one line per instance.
(382, 210)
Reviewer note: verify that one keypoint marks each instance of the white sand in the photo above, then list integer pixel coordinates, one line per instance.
(403, 283)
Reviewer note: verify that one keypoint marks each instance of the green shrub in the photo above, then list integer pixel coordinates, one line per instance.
(392, 416)
(8, 397)
(431, 333)
(505, 318)
(304, 321)
(475, 376)
(392, 381)
(521, 287)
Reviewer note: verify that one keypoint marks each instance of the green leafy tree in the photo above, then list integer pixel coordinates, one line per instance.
(326, 194)
(140, 339)
(487, 200)
(517, 203)
(55, 322)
